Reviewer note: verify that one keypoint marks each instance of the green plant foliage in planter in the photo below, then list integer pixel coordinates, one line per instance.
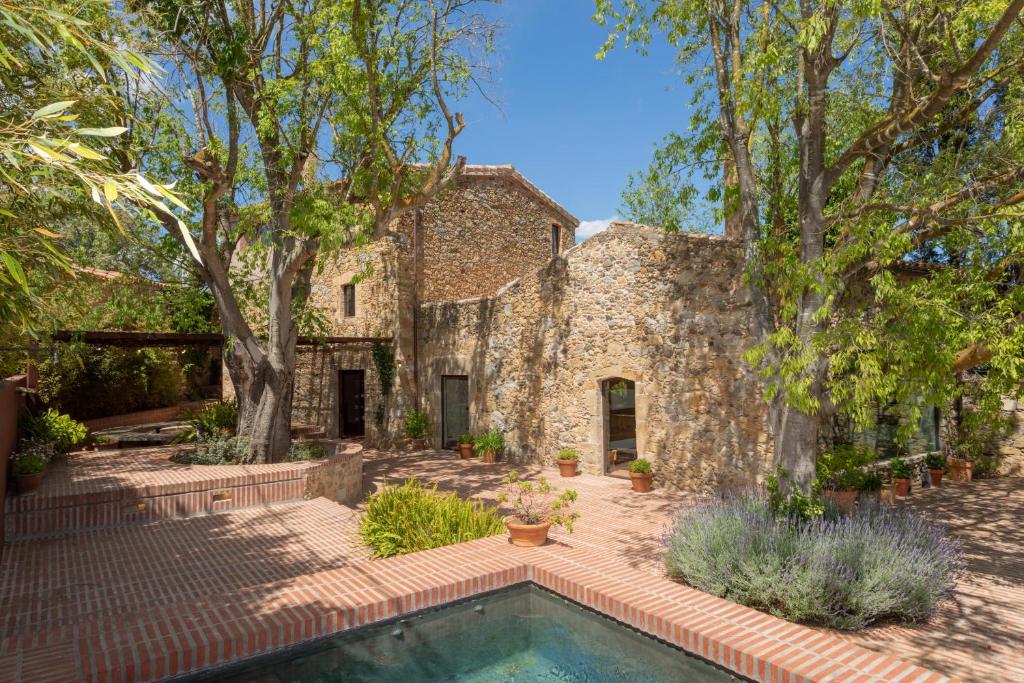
(306, 450)
(489, 442)
(842, 466)
(56, 428)
(935, 461)
(640, 466)
(537, 502)
(417, 425)
(900, 469)
(411, 517)
(235, 450)
(870, 482)
(567, 454)
(32, 457)
(466, 439)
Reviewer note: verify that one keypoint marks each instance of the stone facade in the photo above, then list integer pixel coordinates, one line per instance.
(664, 311)
(1011, 453)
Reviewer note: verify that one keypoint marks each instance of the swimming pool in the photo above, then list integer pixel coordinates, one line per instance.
(524, 633)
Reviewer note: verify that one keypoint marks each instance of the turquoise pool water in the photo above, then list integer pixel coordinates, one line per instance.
(522, 634)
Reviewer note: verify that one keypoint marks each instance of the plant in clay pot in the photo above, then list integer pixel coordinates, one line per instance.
(640, 475)
(536, 506)
(839, 470)
(870, 486)
(489, 444)
(466, 446)
(28, 464)
(901, 473)
(936, 468)
(418, 428)
(567, 460)
(105, 443)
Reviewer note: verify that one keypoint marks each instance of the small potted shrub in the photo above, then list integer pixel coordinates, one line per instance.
(466, 446)
(28, 464)
(870, 486)
(567, 461)
(840, 469)
(900, 476)
(640, 475)
(535, 508)
(418, 428)
(936, 468)
(488, 444)
(105, 443)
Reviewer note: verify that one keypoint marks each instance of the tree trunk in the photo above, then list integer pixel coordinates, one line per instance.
(795, 436)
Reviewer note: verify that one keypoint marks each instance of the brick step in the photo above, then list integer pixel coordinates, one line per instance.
(108, 489)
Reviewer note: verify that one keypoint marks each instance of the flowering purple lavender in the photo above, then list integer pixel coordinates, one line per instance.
(842, 571)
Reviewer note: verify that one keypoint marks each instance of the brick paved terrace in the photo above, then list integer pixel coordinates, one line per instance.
(147, 601)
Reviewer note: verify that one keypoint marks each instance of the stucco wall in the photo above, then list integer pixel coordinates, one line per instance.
(666, 311)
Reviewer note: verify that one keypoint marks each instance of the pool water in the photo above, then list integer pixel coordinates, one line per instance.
(521, 634)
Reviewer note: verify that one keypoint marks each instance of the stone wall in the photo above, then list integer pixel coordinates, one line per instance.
(1011, 452)
(339, 477)
(666, 311)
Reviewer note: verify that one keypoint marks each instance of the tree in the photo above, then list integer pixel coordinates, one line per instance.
(283, 96)
(844, 124)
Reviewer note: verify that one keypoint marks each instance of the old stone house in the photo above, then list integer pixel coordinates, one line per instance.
(626, 345)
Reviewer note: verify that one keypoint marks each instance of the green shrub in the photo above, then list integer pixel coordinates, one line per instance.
(842, 466)
(54, 428)
(899, 468)
(870, 482)
(536, 502)
(214, 418)
(417, 425)
(410, 517)
(306, 450)
(235, 450)
(489, 442)
(935, 461)
(31, 457)
(466, 438)
(640, 466)
(567, 454)
(840, 571)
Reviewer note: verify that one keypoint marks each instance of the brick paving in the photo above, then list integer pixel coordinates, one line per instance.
(150, 601)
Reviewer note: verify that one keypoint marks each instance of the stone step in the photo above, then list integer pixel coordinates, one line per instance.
(106, 489)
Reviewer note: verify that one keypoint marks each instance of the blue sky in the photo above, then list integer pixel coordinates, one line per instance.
(575, 126)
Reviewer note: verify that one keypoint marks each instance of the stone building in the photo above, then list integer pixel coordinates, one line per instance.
(627, 345)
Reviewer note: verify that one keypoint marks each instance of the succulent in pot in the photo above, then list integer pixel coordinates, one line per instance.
(936, 465)
(418, 428)
(489, 444)
(28, 464)
(567, 461)
(536, 507)
(901, 473)
(466, 446)
(640, 475)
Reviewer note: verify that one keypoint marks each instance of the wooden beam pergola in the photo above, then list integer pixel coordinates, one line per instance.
(138, 340)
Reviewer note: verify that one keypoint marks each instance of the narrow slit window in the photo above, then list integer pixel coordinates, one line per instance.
(348, 301)
(556, 239)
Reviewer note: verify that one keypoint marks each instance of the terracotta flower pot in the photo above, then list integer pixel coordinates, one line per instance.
(29, 482)
(641, 482)
(567, 468)
(936, 477)
(490, 457)
(418, 444)
(465, 451)
(844, 499)
(902, 486)
(527, 535)
(961, 470)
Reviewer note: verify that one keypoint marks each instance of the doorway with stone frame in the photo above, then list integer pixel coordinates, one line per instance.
(620, 424)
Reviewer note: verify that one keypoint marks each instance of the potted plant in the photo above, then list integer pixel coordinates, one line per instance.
(488, 444)
(640, 475)
(418, 428)
(466, 446)
(870, 486)
(936, 468)
(535, 508)
(29, 463)
(567, 461)
(105, 443)
(900, 475)
(840, 469)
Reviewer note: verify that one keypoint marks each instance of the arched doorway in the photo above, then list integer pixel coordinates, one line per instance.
(620, 421)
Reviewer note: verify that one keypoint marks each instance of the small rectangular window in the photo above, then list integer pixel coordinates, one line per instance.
(348, 300)
(556, 239)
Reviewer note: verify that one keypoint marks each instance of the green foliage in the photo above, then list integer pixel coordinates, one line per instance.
(466, 438)
(640, 466)
(52, 427)
(795, 504)
(567, 454)
(306, 450)
(844, 465)
(214, 418)
(418, 425)
(935, 461)
(31, 457)
(537, 502)
(899, 468)
(489, 442)
(384, 361)
(411, 517)
(871, 482)
(234, 450)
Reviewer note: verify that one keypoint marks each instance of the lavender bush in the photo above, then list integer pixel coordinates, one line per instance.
(842, 571)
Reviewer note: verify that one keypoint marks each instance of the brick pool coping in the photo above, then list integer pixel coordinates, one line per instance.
(183, 638)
